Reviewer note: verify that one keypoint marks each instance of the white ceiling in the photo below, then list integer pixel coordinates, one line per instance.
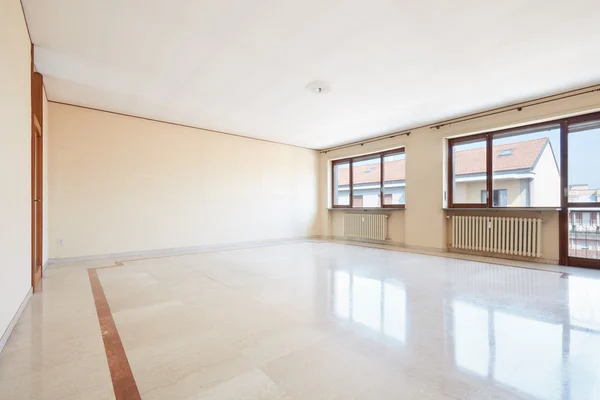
(241, 66)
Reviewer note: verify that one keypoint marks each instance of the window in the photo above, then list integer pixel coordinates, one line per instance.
(366, 182)
(499, 199)
(469, 171)
(358, 201)
(394, 168)
(519, 167)
(341, 184)
(371, 181)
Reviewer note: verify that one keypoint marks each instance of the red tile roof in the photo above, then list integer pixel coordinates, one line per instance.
(472, 161)
(523, 156)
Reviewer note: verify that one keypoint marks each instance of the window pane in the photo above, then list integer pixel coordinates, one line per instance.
(341, 184)
(366, 182)
(527, 168)
(469, 170)
(584, 233)
(394, 179)
(584, 162)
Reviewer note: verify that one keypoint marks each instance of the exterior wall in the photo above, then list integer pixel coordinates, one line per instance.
(15, 161)
(472, 191)
(426, 175)
(515, 195)
(371, 196)
(545, 187)
(138, 185)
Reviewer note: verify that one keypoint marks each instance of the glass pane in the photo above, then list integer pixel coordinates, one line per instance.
(584, 162)
(469, 180)
(527, 168)
(341, 184)
(394, 179)
(584, 233)
(366, 182)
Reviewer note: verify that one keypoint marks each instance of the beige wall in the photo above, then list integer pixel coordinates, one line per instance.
(425, 224)
(15, 161)
(123, 184)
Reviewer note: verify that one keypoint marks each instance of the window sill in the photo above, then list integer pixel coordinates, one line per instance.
(367, 209)
(502, 209)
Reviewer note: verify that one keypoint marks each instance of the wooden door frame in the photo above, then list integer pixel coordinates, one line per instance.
(37, 208)
(563, 223)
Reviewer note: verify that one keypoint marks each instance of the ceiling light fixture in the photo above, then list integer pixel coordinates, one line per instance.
(318, 87)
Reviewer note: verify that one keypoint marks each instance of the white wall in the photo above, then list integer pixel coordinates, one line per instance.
(545, 188)
(123, 184)
(15, 161)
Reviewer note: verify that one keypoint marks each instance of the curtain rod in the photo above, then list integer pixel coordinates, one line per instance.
(483, 114)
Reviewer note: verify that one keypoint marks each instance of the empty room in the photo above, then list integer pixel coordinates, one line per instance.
(299, 200)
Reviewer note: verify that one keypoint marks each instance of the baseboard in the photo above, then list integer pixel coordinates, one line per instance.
(537, 260)
(15, 319)
(45, 266)
(360, 240)
(179, 251)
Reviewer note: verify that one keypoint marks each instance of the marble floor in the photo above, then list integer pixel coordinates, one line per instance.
(306, 320)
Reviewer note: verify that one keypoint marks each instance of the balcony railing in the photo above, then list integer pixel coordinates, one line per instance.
(584, 240)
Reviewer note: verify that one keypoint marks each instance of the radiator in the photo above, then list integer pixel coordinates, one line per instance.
(506, 235)
(366, 226)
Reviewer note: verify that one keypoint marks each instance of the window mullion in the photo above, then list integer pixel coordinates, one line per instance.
(381, 194)
(351, 184)
(489, 171)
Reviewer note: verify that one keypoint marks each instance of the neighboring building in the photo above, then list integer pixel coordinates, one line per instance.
(525, 174)
(584, 225)
(366, 179)
(583, 194)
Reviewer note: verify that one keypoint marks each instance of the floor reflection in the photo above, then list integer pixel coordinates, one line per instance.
(375, 304)
(544, 358)
(545, 348)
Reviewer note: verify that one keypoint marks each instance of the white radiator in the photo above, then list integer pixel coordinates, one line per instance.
(366, 226)
(507, 235)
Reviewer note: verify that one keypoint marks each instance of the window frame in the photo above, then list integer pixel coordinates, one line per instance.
(489, 160)
(350, 161)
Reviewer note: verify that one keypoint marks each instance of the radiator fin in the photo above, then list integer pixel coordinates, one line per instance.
(505, 235)
(366, 226)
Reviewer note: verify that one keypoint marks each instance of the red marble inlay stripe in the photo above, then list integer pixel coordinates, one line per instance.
(122, 378)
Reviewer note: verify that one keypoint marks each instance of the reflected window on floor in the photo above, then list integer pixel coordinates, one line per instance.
(528, 355)
(471, 337)
(378, 305)
(584, 302)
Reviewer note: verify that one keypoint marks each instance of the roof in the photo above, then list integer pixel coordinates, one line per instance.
(524, 155)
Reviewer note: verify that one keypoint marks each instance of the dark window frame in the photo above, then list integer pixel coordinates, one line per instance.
(350, 161)
(489, 139)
